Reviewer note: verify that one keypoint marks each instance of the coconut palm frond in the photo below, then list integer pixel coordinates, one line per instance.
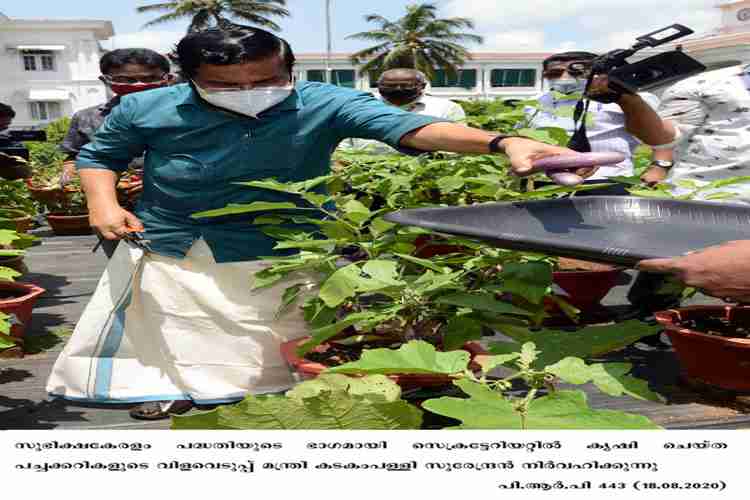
(158, 6)
(166, 18)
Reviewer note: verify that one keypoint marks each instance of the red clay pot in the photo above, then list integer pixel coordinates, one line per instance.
(709, 359)
(311, 369)
(69, 225)
(586, 289)
(21, 305)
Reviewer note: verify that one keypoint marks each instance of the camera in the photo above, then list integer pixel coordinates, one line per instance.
(627, 78)
(11, 142)
(655, 71)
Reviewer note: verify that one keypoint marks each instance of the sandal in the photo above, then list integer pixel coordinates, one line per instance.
(158, 410)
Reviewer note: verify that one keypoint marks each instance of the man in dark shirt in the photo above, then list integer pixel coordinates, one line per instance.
(10, 168)
(124, 71)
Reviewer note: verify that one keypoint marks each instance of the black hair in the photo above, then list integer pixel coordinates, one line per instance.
(7, 111)
(569, 56)
(120, 57)
(232, 46)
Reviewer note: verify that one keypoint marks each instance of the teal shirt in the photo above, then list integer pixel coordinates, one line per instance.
(194, 152)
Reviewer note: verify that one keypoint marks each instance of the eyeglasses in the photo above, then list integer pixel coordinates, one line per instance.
(132, 80)
(573, 69)
(389, 87)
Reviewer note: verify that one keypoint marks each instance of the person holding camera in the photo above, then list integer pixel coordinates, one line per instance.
(123, 71)
(565, 75)
(10, 168)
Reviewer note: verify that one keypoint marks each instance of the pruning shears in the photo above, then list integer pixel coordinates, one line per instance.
(135, 239)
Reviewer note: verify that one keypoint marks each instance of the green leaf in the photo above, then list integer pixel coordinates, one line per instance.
(375, 387)
(416, 356)
(482, 302)
(380, 226)
(529, 354)
(585, 343)
(486, 409)
(610, 378)
(316, 199)
(7, 236)
(459, 330)
(356, 212)
(8, 274)
(239, 208)
(268, 220)
(450, 183)
(489, 363)
(383, 271)
(289, 297)
(324, 245)
(336, 230)
(320, 335)
(330, 408)
(423, 262)
(266, 278)
(530, 280)
(341, 285)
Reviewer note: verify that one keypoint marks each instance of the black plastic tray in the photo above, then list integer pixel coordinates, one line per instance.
(615, 229)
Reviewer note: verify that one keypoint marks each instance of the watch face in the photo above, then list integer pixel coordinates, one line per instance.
(743, 15)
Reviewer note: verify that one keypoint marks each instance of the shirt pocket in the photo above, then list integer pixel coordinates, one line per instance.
(281, 157)
(180, 170)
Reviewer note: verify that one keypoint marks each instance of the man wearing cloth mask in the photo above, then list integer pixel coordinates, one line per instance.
(607, 130)
(123, 71)
(405, 89)
(177, 325)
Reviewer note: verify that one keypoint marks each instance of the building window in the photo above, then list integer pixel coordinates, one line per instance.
(38, 60)
(340, 77)
(45, 111)
(467, 78)
(513, 78)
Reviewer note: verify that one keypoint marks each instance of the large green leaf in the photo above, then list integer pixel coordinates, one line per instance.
(8, 274)
(482, 302)
(610, 378)
(416, 356)
(341, 285)
(325, 405)
(486, 409)
(530, 280)
(7, 236)
(459, 330)
(241, 208)
(320, 335)
(584, 343)
(373, 386)
(356, 212)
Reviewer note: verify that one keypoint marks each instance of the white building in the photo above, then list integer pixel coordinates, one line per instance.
(50, 67)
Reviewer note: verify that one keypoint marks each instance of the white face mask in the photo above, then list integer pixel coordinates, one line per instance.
(567, 85)
(249, 102)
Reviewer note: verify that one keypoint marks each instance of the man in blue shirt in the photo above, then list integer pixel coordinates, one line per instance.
(193, 332)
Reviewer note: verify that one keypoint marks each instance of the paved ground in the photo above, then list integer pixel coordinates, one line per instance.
(69, 271)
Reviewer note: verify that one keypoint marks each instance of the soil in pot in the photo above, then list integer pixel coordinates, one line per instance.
(585, 283)
(712, 344)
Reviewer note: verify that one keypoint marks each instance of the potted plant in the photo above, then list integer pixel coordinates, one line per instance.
(16, 299)
(712, 344)
(16, 206)
(68, 214)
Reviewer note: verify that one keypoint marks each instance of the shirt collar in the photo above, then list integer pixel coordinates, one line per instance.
(107, 106)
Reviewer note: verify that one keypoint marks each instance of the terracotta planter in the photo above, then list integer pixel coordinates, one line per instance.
(20, 304)
(586, 288)
(311, 369)
(69, 225)
(723, 362)
(45, 195)
(19, 219)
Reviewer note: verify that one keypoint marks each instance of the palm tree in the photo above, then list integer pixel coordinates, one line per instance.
(418, 40)
(208, 13)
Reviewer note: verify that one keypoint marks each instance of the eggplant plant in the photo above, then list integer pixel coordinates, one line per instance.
(373, 402)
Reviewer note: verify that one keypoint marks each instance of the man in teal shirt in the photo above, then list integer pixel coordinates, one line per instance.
(193, 332)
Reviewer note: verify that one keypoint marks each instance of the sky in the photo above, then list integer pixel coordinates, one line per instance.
(507, 25)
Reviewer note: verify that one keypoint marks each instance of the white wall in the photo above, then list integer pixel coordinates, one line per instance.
(75, 74)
